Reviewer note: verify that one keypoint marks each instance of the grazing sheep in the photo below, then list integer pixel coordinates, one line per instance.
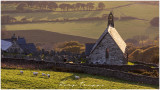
(21, 72)
(35, 73)
(48, 75)
(43, 74)
(77, 77)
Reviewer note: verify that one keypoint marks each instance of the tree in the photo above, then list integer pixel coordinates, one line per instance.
(155, 22)
(21, 6)
(78, 5)
(72, 46)
(62, 6)
(83, 6)
(73, 7)
(90, 6)
(52, 5)
(101, 5)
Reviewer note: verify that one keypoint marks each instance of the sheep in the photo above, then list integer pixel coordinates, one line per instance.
(77, 77)
(48, 75)
(35, 73)
(21, 72)
(43, 74)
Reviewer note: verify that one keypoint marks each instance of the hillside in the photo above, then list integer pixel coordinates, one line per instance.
(128, 28)
(47, 39)
(11, 79)
(144, 54)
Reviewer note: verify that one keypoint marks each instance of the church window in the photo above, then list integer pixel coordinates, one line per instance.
(107, 53)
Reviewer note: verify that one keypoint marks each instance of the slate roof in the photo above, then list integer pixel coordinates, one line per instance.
(21, 41)
(116, 37)
(88, 48)
(5, 45)
(27, 47)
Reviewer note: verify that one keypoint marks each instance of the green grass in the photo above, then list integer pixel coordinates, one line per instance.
(11, 79)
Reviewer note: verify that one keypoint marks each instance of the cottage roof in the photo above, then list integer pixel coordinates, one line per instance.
(116, 37)
(88, 48)
(21, 41)
(5, 45)
(27, 47)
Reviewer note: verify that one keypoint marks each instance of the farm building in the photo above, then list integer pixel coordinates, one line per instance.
(110, 48)
(17, 45)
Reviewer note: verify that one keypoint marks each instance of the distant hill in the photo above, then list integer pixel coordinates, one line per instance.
(46, 39)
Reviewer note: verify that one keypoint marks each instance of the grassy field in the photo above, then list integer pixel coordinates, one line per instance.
(136, 10)
(91, 29)
(11, 79)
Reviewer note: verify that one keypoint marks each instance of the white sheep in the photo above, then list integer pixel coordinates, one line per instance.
(43, 74)
(21, 72)
(77, 77)
(35, 73)
(48, 75)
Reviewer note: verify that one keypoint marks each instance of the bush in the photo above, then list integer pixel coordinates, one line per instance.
(155, 22)
(71, 46)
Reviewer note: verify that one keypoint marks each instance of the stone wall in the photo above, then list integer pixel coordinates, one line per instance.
(84, 69)
(124, 68)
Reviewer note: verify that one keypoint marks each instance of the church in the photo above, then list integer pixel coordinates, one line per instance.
(110, 48)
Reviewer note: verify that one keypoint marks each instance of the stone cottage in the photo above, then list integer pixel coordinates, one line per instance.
(110, 48)
(18, 45)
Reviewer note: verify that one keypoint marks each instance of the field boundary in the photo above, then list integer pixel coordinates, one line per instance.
(83, 69)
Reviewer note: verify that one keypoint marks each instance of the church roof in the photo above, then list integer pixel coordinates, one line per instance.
(116, 37)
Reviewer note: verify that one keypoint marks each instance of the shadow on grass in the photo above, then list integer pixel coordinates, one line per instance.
(83, 75)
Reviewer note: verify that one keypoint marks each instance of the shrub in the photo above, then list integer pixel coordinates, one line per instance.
(71, 46)
(155, 22)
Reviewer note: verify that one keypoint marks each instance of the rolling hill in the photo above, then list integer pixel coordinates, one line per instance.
(47, 39)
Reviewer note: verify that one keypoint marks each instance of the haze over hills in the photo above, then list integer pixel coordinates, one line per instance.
(46, 39)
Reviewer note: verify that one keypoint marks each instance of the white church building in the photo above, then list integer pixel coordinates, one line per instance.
(110, 48)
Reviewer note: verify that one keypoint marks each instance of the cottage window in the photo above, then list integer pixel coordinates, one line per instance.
(107, 53)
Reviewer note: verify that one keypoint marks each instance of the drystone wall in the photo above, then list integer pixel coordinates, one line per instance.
(84, 69)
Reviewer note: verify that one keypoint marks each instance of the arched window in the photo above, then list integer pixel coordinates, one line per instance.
(107, 53)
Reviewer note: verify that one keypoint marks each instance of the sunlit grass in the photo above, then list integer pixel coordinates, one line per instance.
(130, 63)
(11, 79)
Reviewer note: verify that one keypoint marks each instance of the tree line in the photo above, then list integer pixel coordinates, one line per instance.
(50, 5)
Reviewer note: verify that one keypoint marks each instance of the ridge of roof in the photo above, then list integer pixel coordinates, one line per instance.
(115, 36)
